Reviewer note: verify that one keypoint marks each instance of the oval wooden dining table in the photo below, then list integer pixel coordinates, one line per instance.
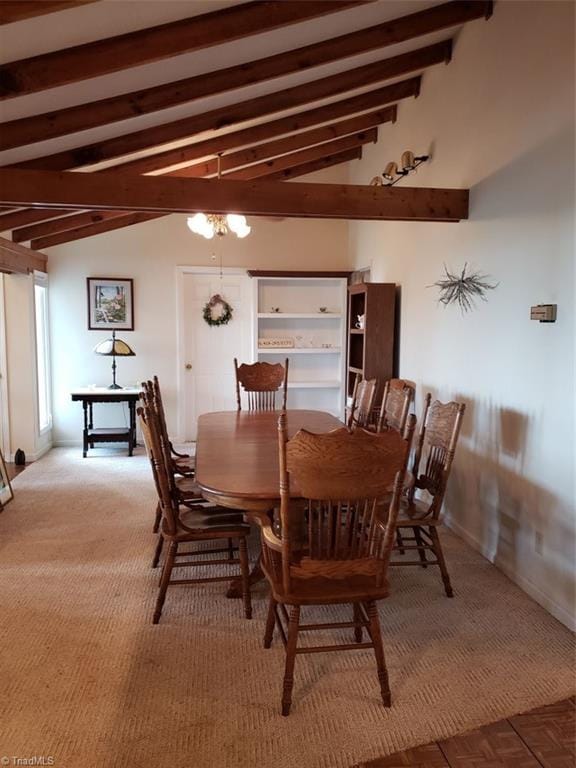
(237, 461)
(237, 455)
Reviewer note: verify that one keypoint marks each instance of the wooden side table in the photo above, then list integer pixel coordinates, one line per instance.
(92, 435)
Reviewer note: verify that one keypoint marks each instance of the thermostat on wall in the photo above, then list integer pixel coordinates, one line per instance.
(546, 313)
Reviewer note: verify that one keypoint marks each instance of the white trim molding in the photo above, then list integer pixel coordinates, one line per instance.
(547, 602)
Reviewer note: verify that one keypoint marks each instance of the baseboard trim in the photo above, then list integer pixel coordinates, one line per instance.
(67, 443)
(556, 610)
(30, 457)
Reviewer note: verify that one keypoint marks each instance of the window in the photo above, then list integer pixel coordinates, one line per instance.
(42, 353)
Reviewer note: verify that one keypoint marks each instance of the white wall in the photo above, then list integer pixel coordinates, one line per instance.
(149, 253)
(500, 120)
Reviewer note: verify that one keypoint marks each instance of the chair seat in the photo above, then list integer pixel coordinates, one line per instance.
(209, 519)
(323, 582)
(415, 513)
(185, 465)
(187, 488)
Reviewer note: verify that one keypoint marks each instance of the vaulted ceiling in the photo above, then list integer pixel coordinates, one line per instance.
(279, 89)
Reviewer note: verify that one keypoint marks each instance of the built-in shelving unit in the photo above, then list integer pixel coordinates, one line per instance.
(288, 306)
(371, 348)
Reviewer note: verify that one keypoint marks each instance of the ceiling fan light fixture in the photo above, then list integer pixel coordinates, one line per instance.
(217, 224)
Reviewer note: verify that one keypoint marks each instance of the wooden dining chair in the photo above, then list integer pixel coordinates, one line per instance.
(182, 525)
(360, 414)
(183, 463)
(335, 542)
(261, 382)
(182, 487)
(420, 511)
(395, 406)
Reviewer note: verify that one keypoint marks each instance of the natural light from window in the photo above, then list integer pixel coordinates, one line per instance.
(42, 355)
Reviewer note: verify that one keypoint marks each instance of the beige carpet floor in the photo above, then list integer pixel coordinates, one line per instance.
(86, 678)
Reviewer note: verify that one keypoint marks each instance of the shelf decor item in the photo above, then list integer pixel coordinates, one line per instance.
(463, 289)
(6, 492)
(275, 343)
(110, 304)
(114, 348)
(217, 311)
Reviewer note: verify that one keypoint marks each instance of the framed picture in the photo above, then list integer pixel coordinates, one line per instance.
(110, 304)
(6, 492)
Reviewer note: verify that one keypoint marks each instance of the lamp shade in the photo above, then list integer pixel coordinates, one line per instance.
(113, 347)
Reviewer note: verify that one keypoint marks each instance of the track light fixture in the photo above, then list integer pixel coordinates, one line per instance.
(392, 174)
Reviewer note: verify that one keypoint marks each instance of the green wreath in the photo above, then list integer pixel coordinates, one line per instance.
(224, 316)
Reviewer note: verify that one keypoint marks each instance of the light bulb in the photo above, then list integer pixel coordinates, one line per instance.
(407, 161)
(244, 231)
(197, 223)
(390, 172)
(236, 221)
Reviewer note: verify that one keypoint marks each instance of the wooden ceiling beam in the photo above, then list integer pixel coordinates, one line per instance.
(285, 125)
(18, 10)
(113, 54)
(25, 216)
(313, 166)
(234, 160)
(123, 220)
(158, 194)
(317, 136)
(248, 109)
(64, 224)
(310, 154)
(120, 221)
(17, 258)
(247, 136)
(29, 130)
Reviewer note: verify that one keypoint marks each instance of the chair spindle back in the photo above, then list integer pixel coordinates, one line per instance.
(261, 382)
(436, 448)
(362, 402)
(395, 405)
(345, 479)
(151, 433)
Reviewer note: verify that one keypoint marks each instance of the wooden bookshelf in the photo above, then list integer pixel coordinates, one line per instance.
(371, 349)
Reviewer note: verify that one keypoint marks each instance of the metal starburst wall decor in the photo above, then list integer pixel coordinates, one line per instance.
(463, 289)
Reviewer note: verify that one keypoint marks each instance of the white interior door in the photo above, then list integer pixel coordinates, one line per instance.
(207, 352)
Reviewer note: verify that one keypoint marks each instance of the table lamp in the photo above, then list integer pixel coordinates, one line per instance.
(116, 348)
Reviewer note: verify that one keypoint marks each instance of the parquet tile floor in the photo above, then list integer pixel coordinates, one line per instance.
(541, 738)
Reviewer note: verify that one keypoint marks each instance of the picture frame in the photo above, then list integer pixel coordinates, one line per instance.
(6, 492)
(110, 303)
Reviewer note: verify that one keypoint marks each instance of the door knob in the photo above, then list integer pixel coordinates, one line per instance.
(188, 366)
